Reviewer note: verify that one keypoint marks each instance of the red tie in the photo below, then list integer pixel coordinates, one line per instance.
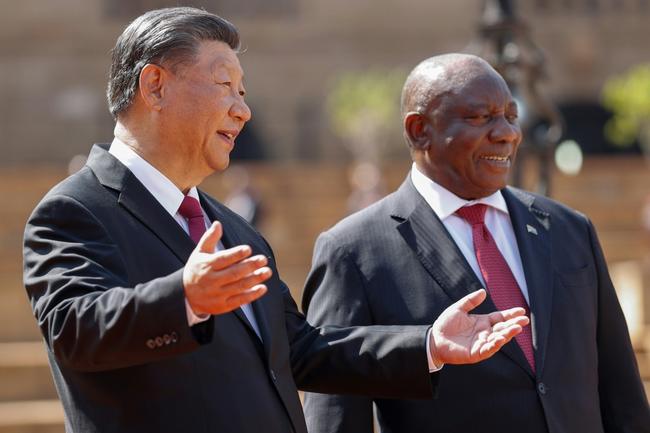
(191, 210)
(500, 282)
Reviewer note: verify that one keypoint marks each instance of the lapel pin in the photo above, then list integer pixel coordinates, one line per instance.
(531, 229)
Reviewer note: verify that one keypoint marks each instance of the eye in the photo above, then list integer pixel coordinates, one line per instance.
(478, 119)
(225, 83)
(512, 117)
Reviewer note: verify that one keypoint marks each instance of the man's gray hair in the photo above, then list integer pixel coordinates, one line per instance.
(169, 36)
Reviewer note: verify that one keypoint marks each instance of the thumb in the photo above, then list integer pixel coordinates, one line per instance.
(471, 301)
(210, 238)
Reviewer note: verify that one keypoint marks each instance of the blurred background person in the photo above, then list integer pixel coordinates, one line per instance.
(242, 197)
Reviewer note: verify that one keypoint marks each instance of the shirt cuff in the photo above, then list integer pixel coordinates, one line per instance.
(193, 318)
(433, 367)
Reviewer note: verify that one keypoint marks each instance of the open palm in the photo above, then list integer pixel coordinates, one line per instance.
(458, 337)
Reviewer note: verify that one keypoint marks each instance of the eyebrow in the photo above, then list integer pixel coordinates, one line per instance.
(482, 106)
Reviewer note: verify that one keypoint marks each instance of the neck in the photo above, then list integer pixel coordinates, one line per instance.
(149, 148)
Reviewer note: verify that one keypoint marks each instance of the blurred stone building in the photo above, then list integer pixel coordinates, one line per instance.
(54, 59)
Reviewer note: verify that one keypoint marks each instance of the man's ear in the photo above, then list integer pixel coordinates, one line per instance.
(416, 129)
(151, 86)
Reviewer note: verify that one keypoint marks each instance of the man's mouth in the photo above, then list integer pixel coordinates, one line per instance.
(228, 135)
(497, 162)
(497, 158)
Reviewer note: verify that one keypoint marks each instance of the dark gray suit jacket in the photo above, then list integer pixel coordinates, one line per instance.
(103, 270)
(395, 263)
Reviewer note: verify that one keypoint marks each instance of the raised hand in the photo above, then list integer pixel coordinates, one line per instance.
(219, 282)
(458, 337)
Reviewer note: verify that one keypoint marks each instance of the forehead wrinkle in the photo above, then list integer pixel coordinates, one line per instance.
(222, 62)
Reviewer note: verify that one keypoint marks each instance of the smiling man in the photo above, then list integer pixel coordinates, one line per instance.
(163, 311)
(452, 227)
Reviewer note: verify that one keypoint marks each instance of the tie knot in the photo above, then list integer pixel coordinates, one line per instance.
(190, 208)
(474, 214)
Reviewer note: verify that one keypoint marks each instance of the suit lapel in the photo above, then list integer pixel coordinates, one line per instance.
(531, 225)
(135, 198)
(425, 234)
(230, 239)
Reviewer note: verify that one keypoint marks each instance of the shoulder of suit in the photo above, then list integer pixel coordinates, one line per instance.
(81, 186)
(544, 204)
(374, 219)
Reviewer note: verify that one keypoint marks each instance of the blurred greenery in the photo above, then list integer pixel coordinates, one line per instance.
(363, 109)
(628, 97)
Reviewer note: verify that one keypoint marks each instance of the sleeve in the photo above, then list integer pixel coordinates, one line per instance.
(334, 294)
(624, 405)
(76, 281)
(366, 360)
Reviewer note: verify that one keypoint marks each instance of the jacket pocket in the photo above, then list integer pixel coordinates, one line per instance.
(577, 277)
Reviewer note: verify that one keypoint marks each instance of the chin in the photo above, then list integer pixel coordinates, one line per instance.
(220, 165)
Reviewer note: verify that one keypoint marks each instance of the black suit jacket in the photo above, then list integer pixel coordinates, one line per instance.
(103, 270)
(395, 263)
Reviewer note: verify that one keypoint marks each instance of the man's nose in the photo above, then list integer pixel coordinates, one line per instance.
(505, 131)
(240, 110)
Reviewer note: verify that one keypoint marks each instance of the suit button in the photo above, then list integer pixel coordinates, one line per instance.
(273, 375)
(159, 341)
(151, 344)
(167, 338)
(174, 337)
(542, 388)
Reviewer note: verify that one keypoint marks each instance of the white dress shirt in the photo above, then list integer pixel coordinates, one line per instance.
(497, 219)
(170, 198)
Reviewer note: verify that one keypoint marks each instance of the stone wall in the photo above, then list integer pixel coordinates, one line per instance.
(54, 60)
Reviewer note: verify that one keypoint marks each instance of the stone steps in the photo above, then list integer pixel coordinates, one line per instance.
(28, 400)
(24, 372)
(35, 416)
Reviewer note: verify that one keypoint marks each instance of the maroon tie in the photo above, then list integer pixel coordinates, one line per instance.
(191, 210)
(500, 282)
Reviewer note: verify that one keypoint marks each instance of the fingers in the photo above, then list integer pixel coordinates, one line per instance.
(500, 316)
(211, 296)
(491, 347)
(519, 321)
(210, 238)
(240, 284)
(497, 339)
(502, 332)
(234, 258)
(226, 258)
(245, 297)
(471, 301)
(224, 304)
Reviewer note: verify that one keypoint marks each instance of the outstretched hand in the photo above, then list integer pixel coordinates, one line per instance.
(219, 282)
(458, 337)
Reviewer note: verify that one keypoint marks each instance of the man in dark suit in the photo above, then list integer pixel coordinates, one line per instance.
(151, 330)
(453, 227)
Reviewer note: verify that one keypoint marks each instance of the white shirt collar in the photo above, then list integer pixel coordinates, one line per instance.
(444, 202)
(163, 189)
